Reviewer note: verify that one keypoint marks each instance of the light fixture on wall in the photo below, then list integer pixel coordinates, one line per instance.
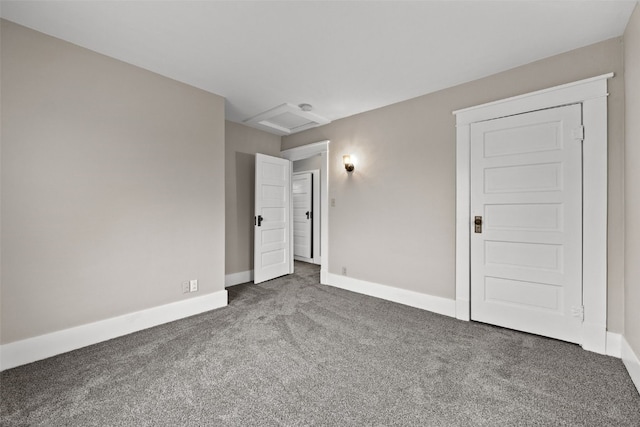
(348, 164)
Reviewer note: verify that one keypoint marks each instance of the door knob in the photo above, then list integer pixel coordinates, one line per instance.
(478, 224)
(308, 214)
(258, 220)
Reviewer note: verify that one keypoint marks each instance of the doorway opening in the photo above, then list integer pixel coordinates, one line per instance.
(306, 211)
(303, 154)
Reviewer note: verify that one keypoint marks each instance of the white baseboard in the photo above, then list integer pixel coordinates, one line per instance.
(614, 345)
(238, 278)
(315, 261)
(632, 363)
(414, 299)
(43, 346)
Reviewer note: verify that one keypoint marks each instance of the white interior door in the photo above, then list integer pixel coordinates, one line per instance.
(526, 185)
(272, 222)
(303, 215)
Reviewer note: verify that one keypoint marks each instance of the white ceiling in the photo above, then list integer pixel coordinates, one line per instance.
(343, 57)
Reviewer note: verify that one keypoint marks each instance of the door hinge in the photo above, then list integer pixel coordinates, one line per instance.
(578, 312)
(578, 133)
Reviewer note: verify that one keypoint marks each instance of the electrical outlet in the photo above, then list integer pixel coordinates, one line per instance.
(333, 203)
(344, 271)
(185, 287)
(193, 285)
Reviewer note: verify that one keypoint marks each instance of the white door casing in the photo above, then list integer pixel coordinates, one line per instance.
(526, 192)
(272, 221)
(302, 193)
(592, 95)
(317, 216)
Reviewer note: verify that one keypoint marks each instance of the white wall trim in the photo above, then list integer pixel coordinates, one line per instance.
(238, 278)
(591, 93)
(569, 93)
(304, 152)
(614, 344)
(463, 223)
(431, 303)
(631, 362)
(43, 346)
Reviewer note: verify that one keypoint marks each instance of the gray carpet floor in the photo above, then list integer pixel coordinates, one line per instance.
(293, 352)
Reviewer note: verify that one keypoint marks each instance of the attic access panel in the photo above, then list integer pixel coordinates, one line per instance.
(285, 119)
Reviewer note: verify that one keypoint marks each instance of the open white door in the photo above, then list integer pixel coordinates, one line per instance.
(526, 236)
(272, 222)
(303, 215)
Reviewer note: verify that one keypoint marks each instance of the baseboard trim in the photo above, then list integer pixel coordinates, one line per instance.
(614, 345)
(431, 303)
(41, 347)
(315, 260)
(631, 362)
(238, 278)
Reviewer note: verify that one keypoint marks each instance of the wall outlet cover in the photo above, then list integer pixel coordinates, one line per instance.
(193, 285)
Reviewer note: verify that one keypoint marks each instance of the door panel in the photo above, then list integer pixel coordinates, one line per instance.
(524, 217)
(527, 295)
(526, 184)
(510, 179)
(524, 139)
(303, 214)
(272, 223)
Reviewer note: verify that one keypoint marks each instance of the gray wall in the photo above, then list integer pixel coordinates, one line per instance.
(112, 187)
(632, 181)
(394, 219)
(242, 144)
(309, 164)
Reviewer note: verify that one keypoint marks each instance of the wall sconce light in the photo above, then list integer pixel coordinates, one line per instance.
(348, 164)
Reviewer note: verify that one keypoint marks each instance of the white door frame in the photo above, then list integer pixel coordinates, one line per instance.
(592, 94)
(304, 152)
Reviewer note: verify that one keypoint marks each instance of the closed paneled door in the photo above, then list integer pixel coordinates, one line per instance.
(526, 222)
